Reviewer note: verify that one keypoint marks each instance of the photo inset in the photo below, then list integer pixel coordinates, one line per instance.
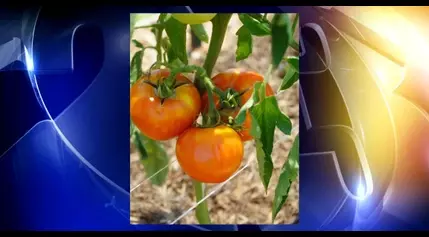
(214, 118)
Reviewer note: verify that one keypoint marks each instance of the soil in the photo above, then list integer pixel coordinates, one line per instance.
(243, 199)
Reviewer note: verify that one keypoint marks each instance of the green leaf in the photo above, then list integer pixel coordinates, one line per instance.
(255, 130)
(288, 174)
(244, 44)
(200, 32)
(163, 17)
(154, 158)
(266, 113)
(290, 78)
(258, 16)
(138, 44)
(176, 64)
(265, 164)
(294, 62)
(241, 115)
(257, 27)
(136, 66)
(292, 73)
(281, 36)
(176, 33)
(284, 123)
(138, 142)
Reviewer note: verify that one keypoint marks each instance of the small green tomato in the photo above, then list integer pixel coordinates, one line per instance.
(193, 18)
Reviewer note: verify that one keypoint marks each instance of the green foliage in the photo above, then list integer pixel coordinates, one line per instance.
(176, 32)
(289, 173)
(292, 73)
(257, 26)
(281, 34)
(153, 157)
(244, 44)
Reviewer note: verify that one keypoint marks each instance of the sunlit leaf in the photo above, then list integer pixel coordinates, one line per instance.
(293, 61)
(244, 44)
(257, 27)
(288, 175)
(163, 17)
(136, 66)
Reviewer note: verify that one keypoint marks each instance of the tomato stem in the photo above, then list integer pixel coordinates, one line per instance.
(158, 44)
(202, 211)
(220, 25)
(212, 117)
(156, 25)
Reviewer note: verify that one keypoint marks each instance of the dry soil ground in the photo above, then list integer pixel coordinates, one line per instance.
(243, 199)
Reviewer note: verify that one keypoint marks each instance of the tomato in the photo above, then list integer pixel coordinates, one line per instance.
(209, 155)
(167, 120)
(240, 81)
(193, 18)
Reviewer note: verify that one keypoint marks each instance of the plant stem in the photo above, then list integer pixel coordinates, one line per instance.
(295, 23)
(294, 45)
(158, 44)
(202, 212)
(147, 26)
(212, 117)
(220, 25)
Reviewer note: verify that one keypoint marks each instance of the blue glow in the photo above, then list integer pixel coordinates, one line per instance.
(361, 191)
(28, 61)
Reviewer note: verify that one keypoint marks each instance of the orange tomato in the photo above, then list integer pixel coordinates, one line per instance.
(167, 120)
(209, 155)
(239, 80)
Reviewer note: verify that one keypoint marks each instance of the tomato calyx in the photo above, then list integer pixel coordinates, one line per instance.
(212, 117)
(165, 88)
(230, 99)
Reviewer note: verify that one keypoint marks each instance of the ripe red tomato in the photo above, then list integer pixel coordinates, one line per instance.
(169, 119)
(209, 155)
(240, 81)
(193, 18)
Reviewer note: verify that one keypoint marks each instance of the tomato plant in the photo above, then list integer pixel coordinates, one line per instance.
(235, 105)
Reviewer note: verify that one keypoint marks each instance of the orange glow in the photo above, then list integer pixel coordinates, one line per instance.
(395, 28)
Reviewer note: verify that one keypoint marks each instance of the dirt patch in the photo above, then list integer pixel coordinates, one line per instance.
(242, 200)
